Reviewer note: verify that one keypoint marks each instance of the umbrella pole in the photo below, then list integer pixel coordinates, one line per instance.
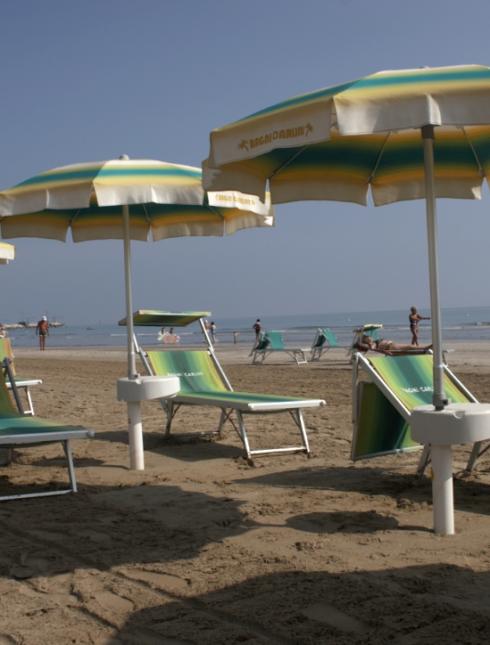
(135, 425)
(129, 296)
(438, 399)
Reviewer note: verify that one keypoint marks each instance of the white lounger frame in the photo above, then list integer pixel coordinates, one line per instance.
(361, 362)
(40, 439)
(294, 408)
(25, 384)
(37, 439)
(296, 353)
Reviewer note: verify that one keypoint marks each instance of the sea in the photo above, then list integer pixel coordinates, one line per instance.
(463, 324)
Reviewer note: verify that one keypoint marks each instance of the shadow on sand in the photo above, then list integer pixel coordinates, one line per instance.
(469, 494)
(443, 604)
(102, 527)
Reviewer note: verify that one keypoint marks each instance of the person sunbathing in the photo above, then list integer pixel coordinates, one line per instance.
(389, 347)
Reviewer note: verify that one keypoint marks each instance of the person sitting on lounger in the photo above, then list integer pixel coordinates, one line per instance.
(388, 347)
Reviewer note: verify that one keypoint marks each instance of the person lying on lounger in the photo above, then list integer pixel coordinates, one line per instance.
(388, 347)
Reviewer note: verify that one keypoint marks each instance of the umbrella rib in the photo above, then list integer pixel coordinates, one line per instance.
(147, 214)
(215, 210)
(480, 169)
(378, 158)
(74, 216)
(287, 162)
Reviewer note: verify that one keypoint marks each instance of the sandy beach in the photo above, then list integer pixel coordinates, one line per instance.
(202, 548)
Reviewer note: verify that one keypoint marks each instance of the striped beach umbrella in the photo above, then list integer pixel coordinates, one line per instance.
(129, 200)
(408, 134)
(125, 199)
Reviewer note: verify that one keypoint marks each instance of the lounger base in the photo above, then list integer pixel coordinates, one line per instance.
(172, 407)
(25, 384)
(277, 451)
(47, 493)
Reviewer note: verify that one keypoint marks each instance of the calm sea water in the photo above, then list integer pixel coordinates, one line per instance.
(470, 324)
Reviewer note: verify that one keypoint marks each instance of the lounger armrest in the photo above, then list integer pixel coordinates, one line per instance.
(287, 405)
(46, 437)
(248, 406)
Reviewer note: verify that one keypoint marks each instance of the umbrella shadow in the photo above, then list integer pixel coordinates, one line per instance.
(103, 527)
(347, 522)
(436, 603)
(189, 447)
(469, 494)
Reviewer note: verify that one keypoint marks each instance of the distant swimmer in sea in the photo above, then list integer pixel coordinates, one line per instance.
(168, 337)
(414, 317)
(389, 347)
(42, 330)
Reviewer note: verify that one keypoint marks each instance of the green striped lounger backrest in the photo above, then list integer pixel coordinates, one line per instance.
(276, 340)
(195, 369)
(7, 408)
(381, 429)
(330, 337)
(410, 378)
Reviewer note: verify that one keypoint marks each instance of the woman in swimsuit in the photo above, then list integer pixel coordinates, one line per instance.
(414, 317)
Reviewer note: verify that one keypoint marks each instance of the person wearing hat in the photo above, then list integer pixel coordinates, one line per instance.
(42, 330)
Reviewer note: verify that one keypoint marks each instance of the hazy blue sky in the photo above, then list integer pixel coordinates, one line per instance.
(85, 81)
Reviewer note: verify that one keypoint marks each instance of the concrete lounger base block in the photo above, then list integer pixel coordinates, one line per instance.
(147, 388)
(133, 391)
(456, 423)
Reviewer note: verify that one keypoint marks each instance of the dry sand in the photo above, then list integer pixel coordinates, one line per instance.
(201, 548)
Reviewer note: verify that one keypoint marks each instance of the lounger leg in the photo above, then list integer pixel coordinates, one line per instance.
(222, 420)
(170, 415)
(243, 436)
(476, 452)
(304, 433)
(424, 460)
(71, 468)
(30, 409)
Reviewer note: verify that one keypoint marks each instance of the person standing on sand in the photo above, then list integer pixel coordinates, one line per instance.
(42, 330)
(414, 317)
(257, 327)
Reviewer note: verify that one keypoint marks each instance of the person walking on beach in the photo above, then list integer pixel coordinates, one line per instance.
(414, 317)
(212, 329)
(42, 330)
(257, 327)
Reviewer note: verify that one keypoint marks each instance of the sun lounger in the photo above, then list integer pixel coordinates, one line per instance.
(21, 383)
(385, 391)
(203, 383)
(17, 430)
(272, 341)
(324, 340)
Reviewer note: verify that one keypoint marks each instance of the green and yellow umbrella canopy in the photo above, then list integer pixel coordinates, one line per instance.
(335, 143)
(165, 199)
(158, 318)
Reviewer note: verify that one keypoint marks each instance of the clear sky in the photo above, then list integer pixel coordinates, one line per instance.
(91, 80)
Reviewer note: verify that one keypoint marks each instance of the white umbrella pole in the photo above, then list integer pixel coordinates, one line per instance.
(439, 399)
(135, 425)
(129, 296)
